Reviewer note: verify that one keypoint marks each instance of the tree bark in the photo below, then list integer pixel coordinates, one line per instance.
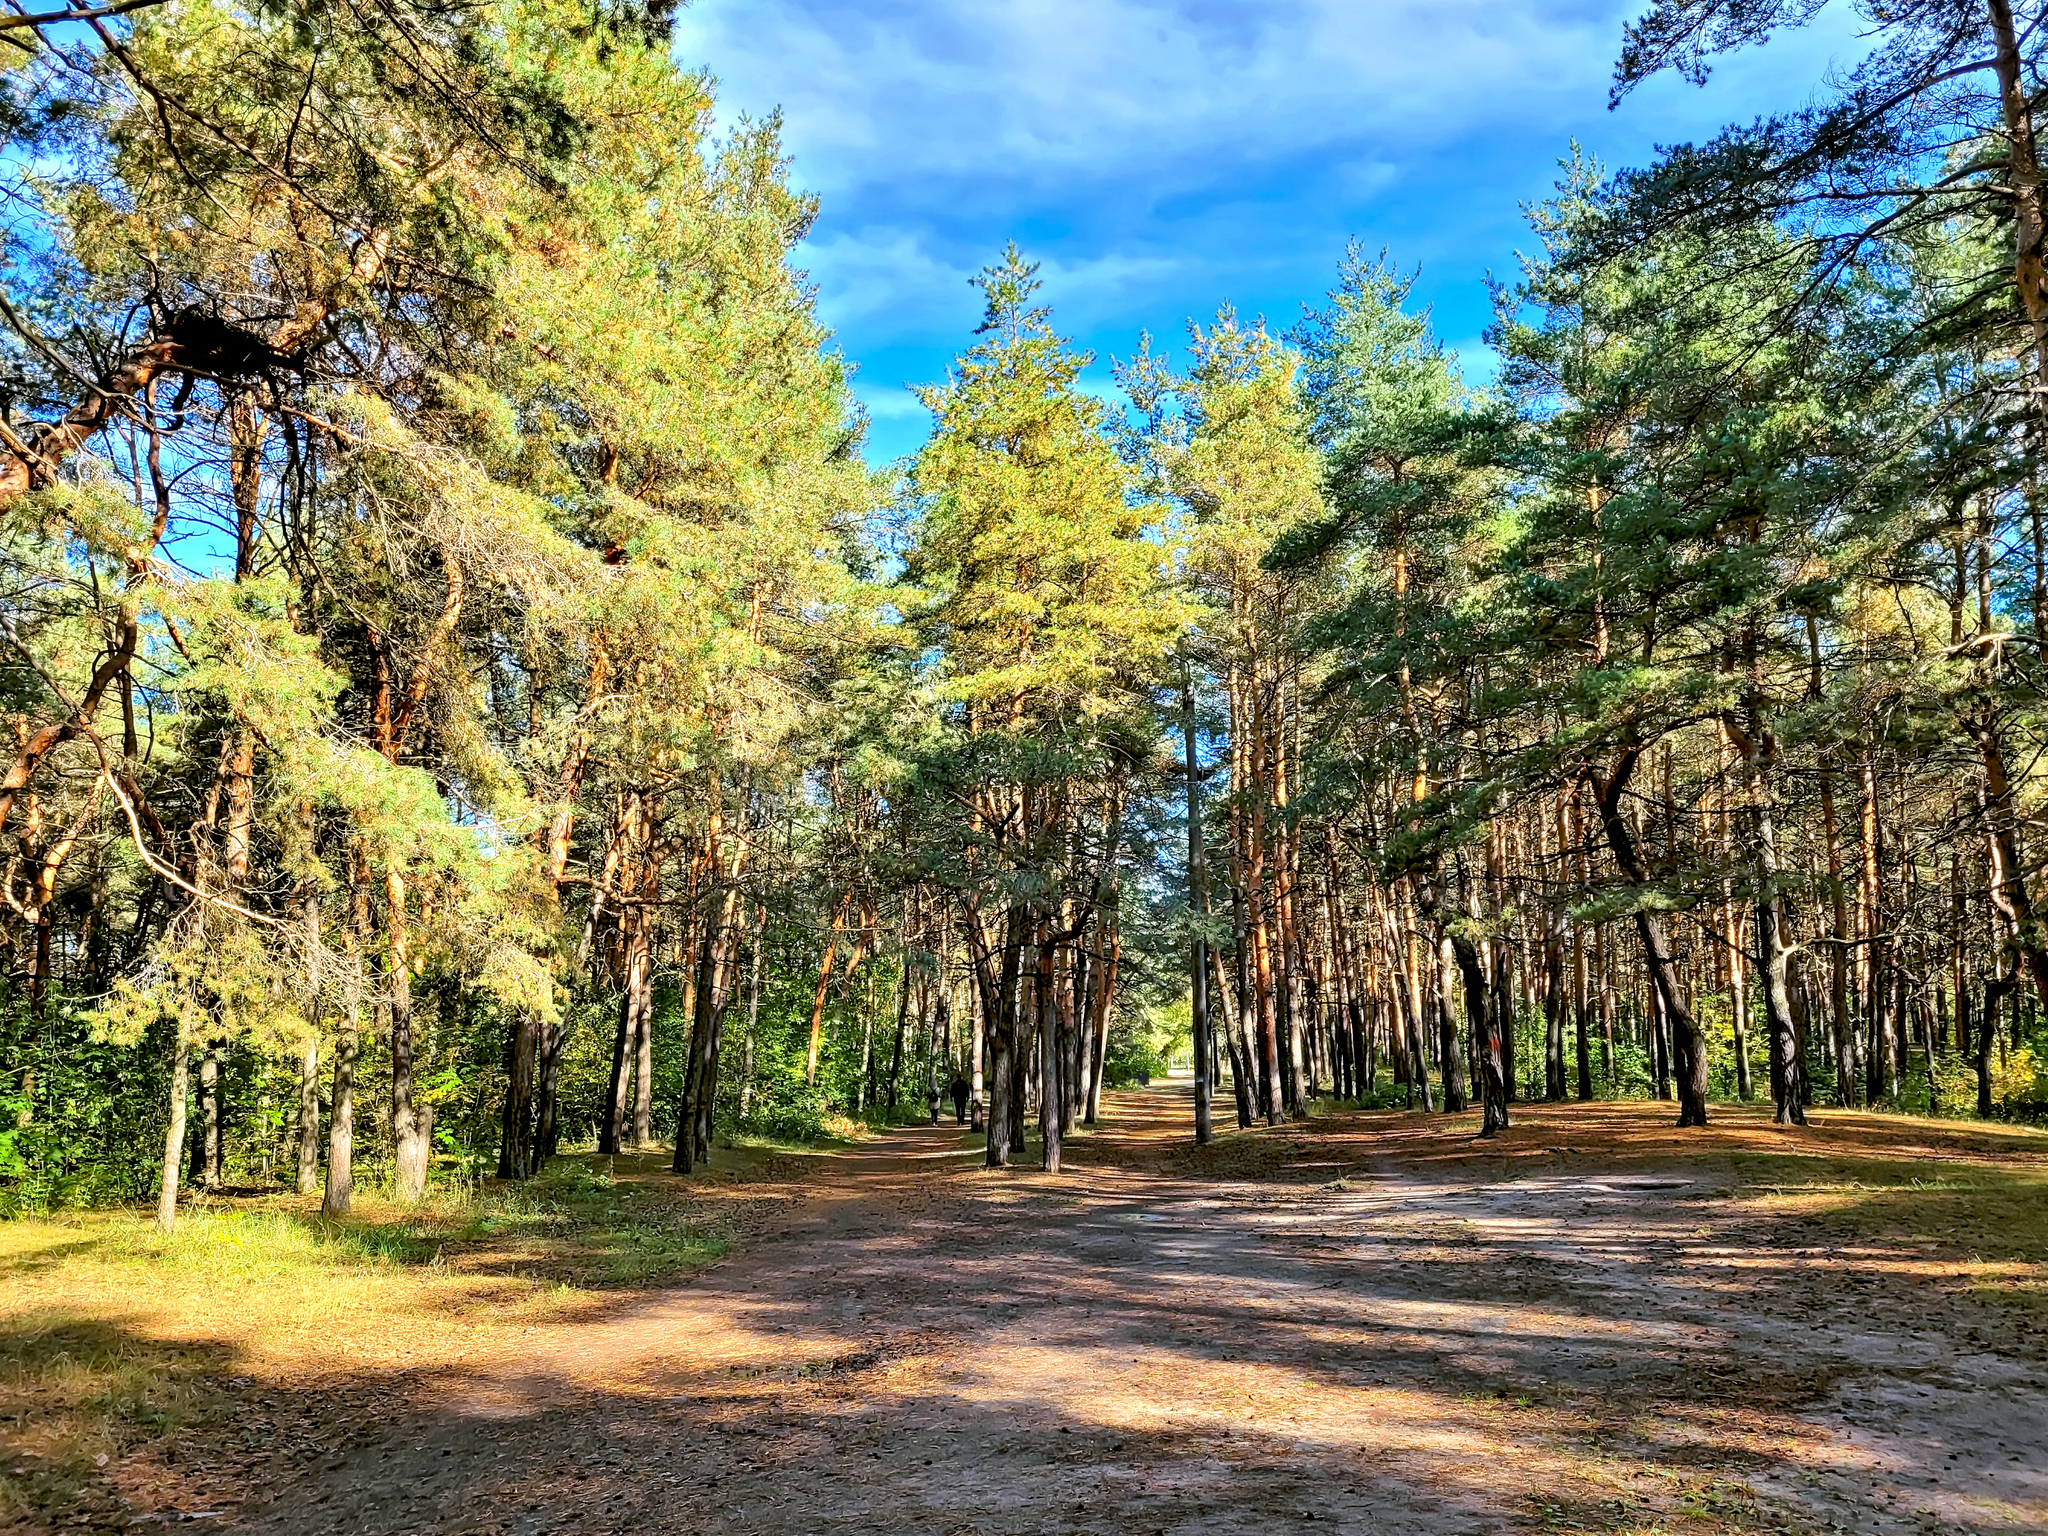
(209, 1157)
(189, 343)
(634, 1000)
(753, 1012)
(1484, 1024)
(174, 1136)
(408, 1134)
(1688, 1053)
(1870, 906)
(2009, 892)
(1987, 1034)
(2024, 183)
(516, 1132)
(1198, 912)
(309, 1114)
(698, 1102)
(341, 1112)
(1105, 995)
(1048, 1053)
(817, 1041)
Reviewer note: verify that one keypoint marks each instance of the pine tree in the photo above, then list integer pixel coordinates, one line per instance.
(1037, 587)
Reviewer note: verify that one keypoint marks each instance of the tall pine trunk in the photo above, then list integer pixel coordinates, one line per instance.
(635, 1001)
(309, 1115)
(516, 1158)
(174, 1134)
(408, 1133)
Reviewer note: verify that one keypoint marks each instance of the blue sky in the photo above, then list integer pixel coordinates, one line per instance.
(1161, 157)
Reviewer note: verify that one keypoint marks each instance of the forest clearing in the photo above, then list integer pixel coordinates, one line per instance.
(1411, 905)
(1366, 1322)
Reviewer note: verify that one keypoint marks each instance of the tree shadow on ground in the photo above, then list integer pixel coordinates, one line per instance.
(1137, 1350)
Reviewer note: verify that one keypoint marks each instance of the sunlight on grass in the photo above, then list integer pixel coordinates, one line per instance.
(113, 1333)
(1982, 1210)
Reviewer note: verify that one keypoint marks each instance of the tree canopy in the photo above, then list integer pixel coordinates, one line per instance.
(471, 694)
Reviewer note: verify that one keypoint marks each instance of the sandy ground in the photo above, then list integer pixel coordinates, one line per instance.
(1360, 1332)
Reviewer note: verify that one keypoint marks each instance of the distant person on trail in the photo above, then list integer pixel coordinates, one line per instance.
(959, 1099)
(932, 1100)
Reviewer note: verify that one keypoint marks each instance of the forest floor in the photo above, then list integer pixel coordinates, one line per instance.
(1369, 1322)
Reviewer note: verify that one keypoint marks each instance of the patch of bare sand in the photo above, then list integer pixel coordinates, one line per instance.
(1371, 1323)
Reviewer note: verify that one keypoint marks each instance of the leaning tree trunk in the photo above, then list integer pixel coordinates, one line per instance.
(1688, 1049)
(1995, 993)
(1487, 1047)
(1758, 746)
(1221, 1001)
(1105, 999)
(1788, 1068)
(1450, 1059)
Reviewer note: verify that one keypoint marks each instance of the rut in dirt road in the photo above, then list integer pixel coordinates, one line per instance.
(1361, 1347)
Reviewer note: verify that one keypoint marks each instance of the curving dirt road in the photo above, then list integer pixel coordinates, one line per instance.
(1373, 1334)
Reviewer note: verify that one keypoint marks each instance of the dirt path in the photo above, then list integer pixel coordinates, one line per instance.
(1364, 1343)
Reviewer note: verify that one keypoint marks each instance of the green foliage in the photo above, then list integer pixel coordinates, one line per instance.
(1036, 581)
(1716, 1019)
(445, 603)
(81, 1117)
(1634, 1075)
(1144, 1043)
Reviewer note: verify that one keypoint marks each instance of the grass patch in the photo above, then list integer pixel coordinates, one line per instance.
(1969, 1238)
(577, 1227)
(114, 1336)
(1976, 1210)
(581, 1225)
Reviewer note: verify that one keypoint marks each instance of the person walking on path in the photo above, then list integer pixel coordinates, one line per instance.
(959, 1099)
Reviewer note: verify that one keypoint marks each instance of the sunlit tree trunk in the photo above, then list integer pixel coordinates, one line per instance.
(174, 1135)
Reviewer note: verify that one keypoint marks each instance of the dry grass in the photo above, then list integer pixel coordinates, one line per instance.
(1968, 1185)
(1950, 1213)
(115, 1337)
(138, 1372)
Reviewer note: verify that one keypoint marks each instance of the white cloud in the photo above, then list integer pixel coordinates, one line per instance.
(1162, 155)
(1051, 89)
(893, 276)
(886, 270)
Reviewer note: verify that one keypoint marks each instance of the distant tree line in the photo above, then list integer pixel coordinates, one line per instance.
(469, 696)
